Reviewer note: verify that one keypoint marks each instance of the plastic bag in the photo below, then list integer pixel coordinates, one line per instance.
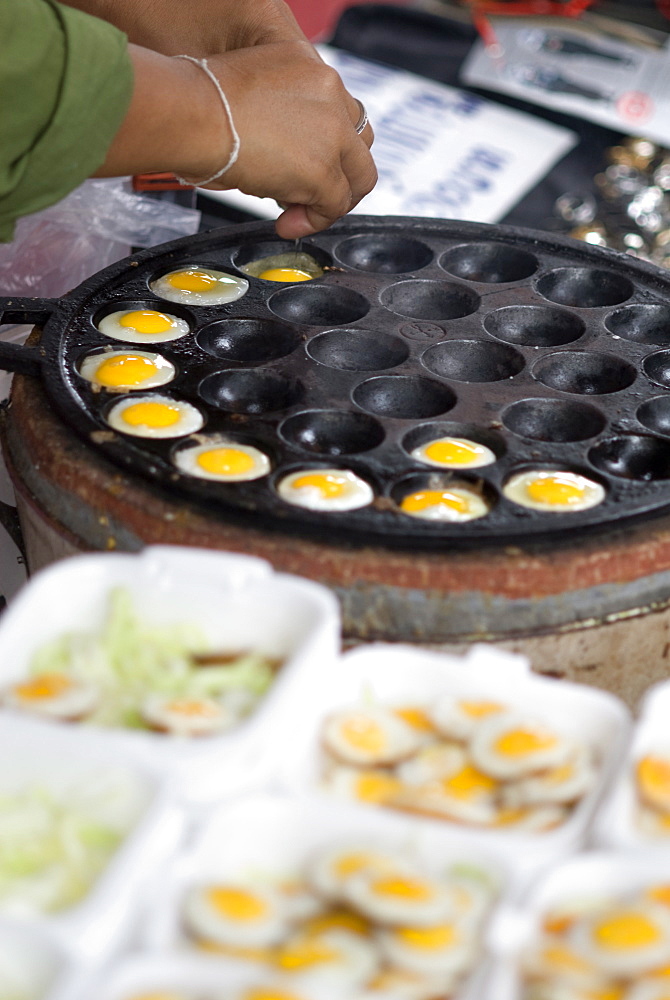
(55, 250)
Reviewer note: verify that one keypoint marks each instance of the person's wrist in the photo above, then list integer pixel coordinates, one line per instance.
(210, 138)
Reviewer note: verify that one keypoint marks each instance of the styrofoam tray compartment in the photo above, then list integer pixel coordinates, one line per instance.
(71, 767)
(616, 825)
(145, 975)
(273, 837)
(596, 875)
(396, 674)
(238, 602)
(32, 965)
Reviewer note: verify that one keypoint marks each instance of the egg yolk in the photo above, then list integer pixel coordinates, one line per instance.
(192, 281)
(469, 783)
(285, 274)
(561, 958)
(523, 742)
(151, 415)
(125, 369)
(626, 931)
(416, 718)
(659, 894)
(429, 938)
(453, 451)
(403, 888)
(146, 321)
(261, 993)
(158, 996)
(237, 904)
(555, 490)
(350, 864)
(192, 709)
(364, 734)
(328, 486)
(653, 774)
(479, 709)
(304, 953)
(225, 461)
(43, 687)
(373, 786)
(424, 499)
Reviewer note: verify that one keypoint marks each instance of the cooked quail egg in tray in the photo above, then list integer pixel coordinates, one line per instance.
(472, 760)
(651, 780)
(126, 371)
(453, 453)
(370, 919)
(222, 460)
(287, 267)
(553, 491)
(454, 502)
(154, 416)
(606, 945)
(143, 326)
(199, 286)
(135, 675)
(327, 490)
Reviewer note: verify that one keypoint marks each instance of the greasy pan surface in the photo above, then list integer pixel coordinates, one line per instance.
(553, 354)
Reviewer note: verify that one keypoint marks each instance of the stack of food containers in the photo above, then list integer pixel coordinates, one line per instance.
(391, 824)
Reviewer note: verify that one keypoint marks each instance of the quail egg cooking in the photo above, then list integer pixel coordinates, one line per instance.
(284, 267)
(325, 490)
(143, 326)
(154, 417)
(547, 490)
(199, 286)
(456, 502)
(453, 453)
(222, 461)
(125, 371)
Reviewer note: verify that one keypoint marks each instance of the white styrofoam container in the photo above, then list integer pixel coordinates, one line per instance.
(238, 602)
(145, 974)
(62, 762)
(274, 836)
(39, 965)
(596, 875)
(393, 674)
(615, 825)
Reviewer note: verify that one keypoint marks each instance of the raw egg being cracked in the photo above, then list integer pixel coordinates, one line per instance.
(456, 502)
(223, 461)
(325, 490)
(155, 417)
(143, 326)
(284, 267)
(553, 491)
(199, 286)
(453, 453)
(125, 371)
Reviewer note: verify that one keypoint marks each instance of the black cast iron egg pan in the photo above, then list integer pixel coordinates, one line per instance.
(554, 354)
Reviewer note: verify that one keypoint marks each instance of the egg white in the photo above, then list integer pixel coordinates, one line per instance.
(454, 503)
(463, 796)
(629, 961)
(325, 490)
(112, 326)
(458, 718)
(347, 960)
(53, 695)
(368, 735)
(563, 784)
(145, 370)
(333, 867)
(405, 897)
(264, 991)
(430, 763)
(511, 745)
(186, 716)
(453, 453)
(649, 990)
(187, 419)
(223, 287)
(448, 948)
(302, 263)
(652, 779)
(255, 463)
(207, 921)
(374, 786)
(580, 493)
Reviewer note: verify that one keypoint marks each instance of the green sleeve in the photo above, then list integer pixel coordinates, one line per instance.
(65, 85)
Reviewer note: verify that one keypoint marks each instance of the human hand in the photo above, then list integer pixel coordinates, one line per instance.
(298, 143)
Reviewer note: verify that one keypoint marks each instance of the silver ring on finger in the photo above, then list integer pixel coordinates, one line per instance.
(362, 122)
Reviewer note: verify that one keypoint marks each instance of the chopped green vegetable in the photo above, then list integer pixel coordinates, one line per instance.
(128, 661)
